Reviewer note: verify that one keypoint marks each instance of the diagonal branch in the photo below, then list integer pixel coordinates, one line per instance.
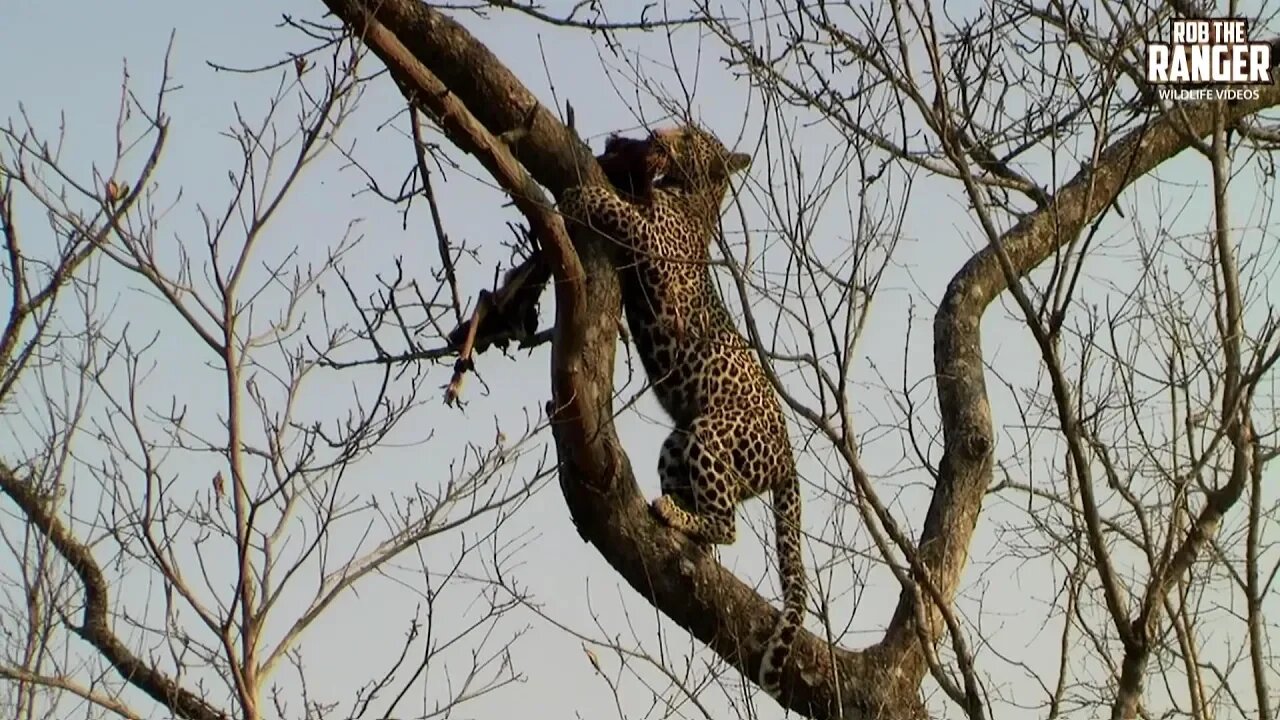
(96, 626)
(552, 152)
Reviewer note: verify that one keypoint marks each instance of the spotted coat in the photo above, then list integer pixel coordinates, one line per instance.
(729, 443)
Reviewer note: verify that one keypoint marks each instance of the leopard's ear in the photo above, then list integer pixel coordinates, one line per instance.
(737, 162)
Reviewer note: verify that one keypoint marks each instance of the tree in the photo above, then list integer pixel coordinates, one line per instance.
(1143, 403)
(186, 507)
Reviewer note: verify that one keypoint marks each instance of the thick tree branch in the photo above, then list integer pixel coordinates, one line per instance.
(552, 152)
(962, 394)
(96, 625)
(599, 486)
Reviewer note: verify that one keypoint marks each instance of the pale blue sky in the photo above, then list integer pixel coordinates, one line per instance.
(67, 58)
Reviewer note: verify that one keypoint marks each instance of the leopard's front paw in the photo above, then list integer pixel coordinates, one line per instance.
(665, 507)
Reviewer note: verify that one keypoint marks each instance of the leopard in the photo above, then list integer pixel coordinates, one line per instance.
(729, 440)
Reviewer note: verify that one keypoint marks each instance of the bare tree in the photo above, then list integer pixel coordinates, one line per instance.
(181, 507)
(1134, 516)
(1079, 529)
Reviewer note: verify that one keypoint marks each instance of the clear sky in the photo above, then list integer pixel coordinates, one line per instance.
(67, 58)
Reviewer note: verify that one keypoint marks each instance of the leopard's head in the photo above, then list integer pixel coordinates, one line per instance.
(691, 159)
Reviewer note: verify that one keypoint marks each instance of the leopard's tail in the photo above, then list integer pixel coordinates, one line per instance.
(786, 514)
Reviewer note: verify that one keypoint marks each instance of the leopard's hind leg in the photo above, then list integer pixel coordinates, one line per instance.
(704, 464)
